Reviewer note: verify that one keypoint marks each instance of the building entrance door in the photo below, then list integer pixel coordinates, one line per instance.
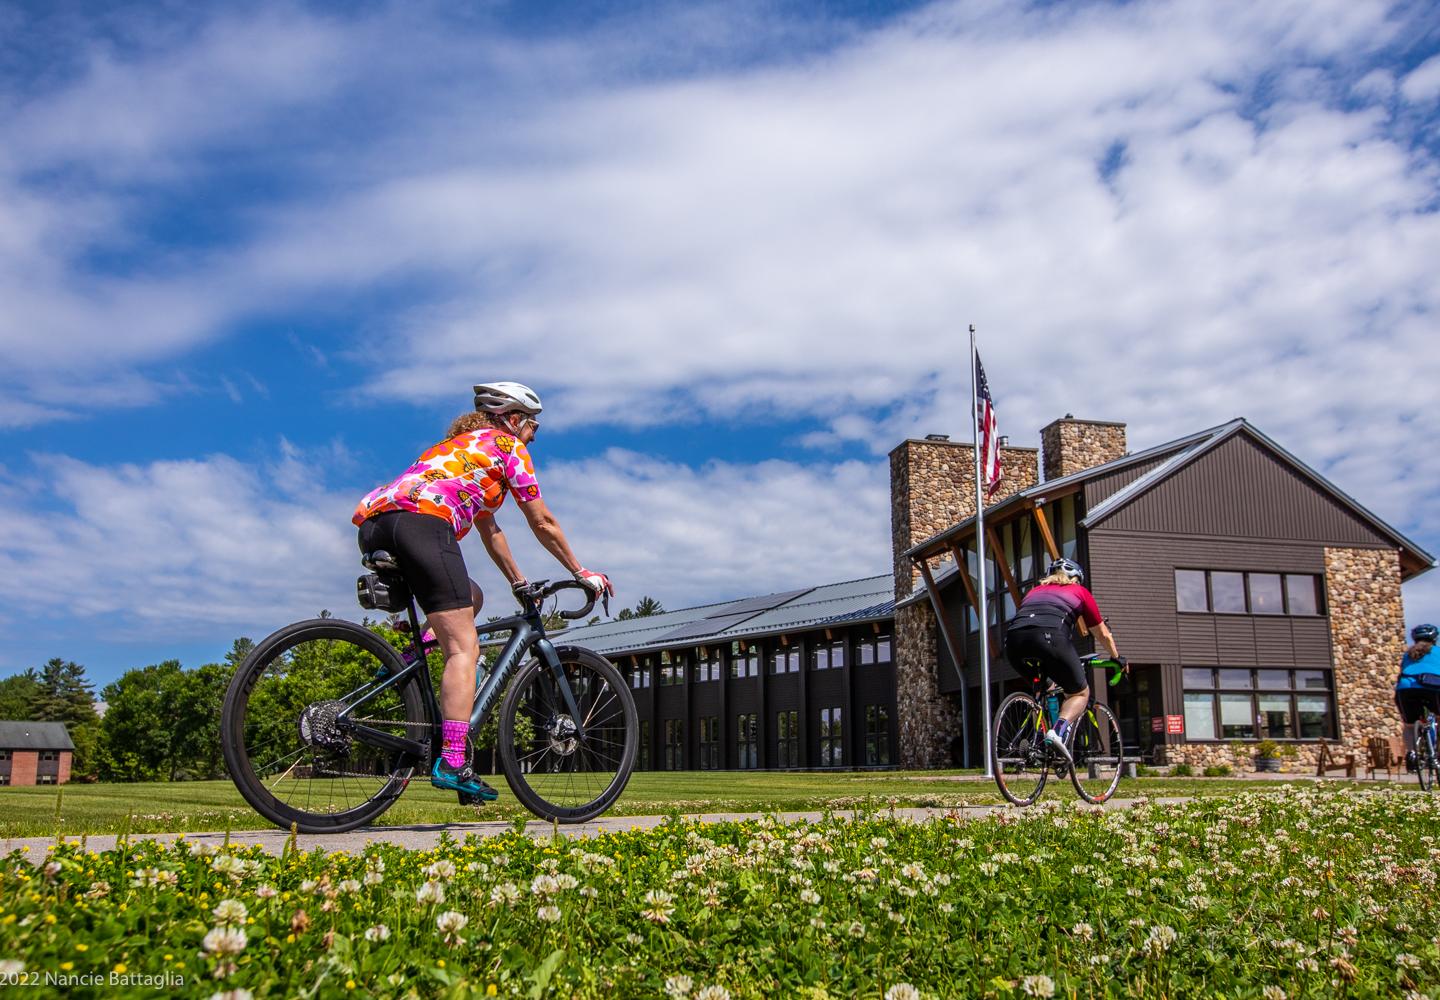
(1135, 701)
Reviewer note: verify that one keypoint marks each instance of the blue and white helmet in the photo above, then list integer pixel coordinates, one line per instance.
(1069, 567)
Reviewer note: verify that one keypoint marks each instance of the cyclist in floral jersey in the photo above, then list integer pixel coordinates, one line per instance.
(420, 518)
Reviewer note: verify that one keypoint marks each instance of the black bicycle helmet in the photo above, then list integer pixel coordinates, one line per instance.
(1069, 567)
(1424, 633)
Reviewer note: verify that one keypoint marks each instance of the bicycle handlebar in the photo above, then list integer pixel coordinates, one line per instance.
(541, 589)
(1118, 668)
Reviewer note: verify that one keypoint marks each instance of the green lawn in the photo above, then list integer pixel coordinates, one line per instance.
(162, 807)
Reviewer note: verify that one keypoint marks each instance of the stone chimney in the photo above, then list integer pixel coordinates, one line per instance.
(932, 487)
(1071, 445)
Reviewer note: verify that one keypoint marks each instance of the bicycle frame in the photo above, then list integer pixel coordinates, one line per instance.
(527, 632)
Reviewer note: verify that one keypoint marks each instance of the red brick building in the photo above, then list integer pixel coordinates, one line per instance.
(34, 753)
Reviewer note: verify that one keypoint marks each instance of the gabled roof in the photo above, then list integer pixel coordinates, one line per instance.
(17, 735)
(845, 603)
(1174, 456)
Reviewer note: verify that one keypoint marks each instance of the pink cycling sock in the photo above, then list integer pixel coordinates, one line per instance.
(454, 747)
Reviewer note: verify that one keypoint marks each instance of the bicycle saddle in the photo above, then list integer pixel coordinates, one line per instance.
(380, 561)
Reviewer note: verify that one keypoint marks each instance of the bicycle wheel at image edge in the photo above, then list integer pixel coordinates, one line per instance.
(283, 747)
(554, 773)
(1017, 750)
(1097, 749)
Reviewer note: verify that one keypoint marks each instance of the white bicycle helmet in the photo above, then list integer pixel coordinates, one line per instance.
(506, 397)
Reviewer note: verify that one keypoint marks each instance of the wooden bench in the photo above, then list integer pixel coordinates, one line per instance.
(1387, 752)
(1329, 761)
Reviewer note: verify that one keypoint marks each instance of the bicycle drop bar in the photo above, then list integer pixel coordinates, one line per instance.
(541, 589)
(1116, 667)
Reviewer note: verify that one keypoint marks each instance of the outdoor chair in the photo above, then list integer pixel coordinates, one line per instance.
(1328, 761)
(1381, 753)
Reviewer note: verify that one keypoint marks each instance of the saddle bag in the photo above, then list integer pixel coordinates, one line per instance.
(382, 593)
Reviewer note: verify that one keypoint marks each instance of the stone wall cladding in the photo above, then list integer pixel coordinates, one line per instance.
(1069, 445)
(932, 487)
(1367, 633)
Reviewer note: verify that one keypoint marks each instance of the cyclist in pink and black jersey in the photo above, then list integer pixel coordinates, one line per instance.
(420, 517)
(1043, 629)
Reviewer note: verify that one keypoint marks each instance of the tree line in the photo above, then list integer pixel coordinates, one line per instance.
(161, 722)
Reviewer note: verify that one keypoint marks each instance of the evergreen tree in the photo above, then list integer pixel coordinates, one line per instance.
(66, 696)
(240, 649)
(19, 695)
(648, 606)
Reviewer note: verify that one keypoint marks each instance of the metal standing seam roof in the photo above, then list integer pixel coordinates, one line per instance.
(20, 735)
(867, 599)
(1185, 450)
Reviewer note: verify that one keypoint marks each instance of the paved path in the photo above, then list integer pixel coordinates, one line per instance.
(421, 837)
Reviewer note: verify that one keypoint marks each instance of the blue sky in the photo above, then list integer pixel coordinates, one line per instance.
(252, 256)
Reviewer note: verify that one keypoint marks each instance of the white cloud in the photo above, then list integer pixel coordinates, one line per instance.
(1423, 82)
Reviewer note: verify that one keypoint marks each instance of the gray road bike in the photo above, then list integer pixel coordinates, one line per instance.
(325, 723)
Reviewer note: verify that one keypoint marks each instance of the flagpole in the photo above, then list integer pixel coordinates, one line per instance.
(980, 556)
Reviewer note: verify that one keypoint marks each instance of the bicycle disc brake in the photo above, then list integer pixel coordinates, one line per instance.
(560, 731)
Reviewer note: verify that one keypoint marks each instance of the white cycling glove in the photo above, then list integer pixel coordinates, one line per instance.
(598, 583)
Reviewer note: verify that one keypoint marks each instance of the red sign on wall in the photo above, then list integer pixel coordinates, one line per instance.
(1157, 724)
(1175, 725)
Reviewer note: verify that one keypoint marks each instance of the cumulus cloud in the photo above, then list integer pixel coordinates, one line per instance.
(1423, 82)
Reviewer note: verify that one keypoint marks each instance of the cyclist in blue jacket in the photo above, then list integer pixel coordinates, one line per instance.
(1418, 686)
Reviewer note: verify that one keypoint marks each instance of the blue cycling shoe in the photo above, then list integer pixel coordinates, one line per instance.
(463, 780)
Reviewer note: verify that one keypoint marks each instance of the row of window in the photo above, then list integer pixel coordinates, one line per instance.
(1242, 704)
(42, 755)
(1231, 592)
(709, 665)
(831, 733)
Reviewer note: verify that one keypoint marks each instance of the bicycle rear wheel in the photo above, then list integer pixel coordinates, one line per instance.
(555, 773)
(285, 737)
(1018, 755)
(1097, 749)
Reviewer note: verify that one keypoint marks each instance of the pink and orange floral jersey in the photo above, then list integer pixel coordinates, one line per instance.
(460, 479)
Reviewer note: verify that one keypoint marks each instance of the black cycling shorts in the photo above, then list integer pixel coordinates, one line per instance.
(1413, 701)
(1053, 650)
(429, 556)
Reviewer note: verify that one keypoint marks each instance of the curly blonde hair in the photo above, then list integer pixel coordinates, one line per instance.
(473, 421)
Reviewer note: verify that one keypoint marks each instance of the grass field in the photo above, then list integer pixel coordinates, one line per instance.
(164, 807)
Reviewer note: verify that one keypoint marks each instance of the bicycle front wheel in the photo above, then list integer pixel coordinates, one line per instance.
(1017, 751)
(1427, 768)
(287, 734)
(554, 771)
(1097, 750)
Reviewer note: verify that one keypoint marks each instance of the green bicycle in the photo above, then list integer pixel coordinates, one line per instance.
(1022, 761)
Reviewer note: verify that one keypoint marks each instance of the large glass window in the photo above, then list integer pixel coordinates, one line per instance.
(1190, 590)
(1242, 704)
(674, 745)
(785, 660)
(744, 659)
(832, 742)
(1265, 595)
(707, 666)
(747, 742)
(827, 655)
(709, 743)
(1227, 592)
(874, 649)
(1302, 594)
(877, 735)
(1233, 592)
(787, 730)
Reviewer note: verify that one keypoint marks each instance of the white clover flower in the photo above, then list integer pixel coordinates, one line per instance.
(146, 877)
(1038, 986)
(856, 929)
(450, 922)
(267, 892)
(566, 881)
(430, 892)
(504, 894)
(1083, 931)
(308, 886)
(1407, 961)
(947, 907)
(632, 938)
(809, 896)
(227, 864)
(441, 870)
(11, 967)
(989, 868)
(1160, 939)
(544, 885)
(902, 991)
(377, 933)
(659, 906)
(373, 878)
(818, 923)
(879, 843)
(713, 993)
(230, 912)
(225, 941)
(349, 885)
(548, 913)
(677, 987)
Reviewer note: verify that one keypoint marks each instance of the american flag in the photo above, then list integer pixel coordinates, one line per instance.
(989, 439)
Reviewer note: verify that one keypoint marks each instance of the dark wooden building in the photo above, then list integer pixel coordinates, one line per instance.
(802, 679)
(1253, 598)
